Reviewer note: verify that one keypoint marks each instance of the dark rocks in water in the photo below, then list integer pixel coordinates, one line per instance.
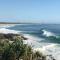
(11, 36)
(24, 37)
(50, 57)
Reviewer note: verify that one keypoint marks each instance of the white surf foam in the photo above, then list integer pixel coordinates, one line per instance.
(6, 31)
(45, 48)
(6, 26)
(51, 49)
(33, 41)
(47, 33)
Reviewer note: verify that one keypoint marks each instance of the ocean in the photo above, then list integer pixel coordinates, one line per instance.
(41, 36)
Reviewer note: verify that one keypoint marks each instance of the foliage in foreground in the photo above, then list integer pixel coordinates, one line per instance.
(18, 50)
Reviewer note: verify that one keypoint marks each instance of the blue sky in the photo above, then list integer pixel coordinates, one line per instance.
(37, 11)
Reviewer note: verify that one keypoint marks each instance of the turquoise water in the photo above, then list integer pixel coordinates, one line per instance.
(38, 30)
(45, 36)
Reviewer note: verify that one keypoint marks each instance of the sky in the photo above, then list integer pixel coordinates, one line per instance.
(35, 11)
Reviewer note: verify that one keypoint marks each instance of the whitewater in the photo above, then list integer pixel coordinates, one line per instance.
(38, 43)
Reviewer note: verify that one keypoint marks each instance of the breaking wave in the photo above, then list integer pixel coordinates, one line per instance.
(7, 31)
(49, 48)
(6, 26)
(47, 33)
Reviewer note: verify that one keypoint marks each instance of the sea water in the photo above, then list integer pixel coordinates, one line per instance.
(42, 37)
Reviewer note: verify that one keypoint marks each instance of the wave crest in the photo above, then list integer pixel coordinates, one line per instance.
(7, 31)
(47, 33)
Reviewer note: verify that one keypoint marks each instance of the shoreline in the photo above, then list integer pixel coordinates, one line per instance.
(7, 31)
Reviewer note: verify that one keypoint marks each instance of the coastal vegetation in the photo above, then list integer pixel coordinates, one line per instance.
(12, 47)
